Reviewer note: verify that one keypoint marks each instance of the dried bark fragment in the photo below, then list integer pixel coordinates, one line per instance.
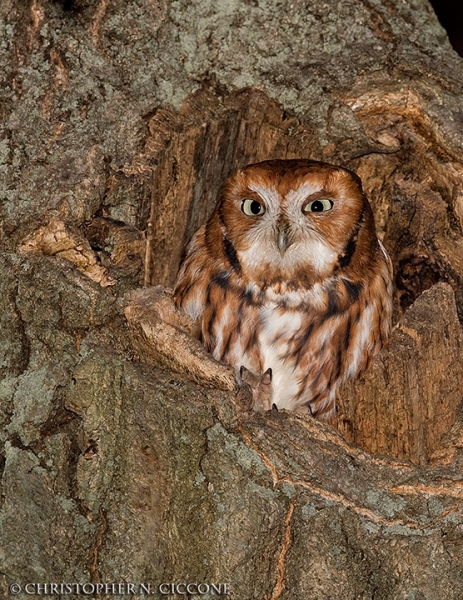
(58, 239)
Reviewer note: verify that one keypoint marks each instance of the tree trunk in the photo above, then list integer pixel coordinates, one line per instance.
(120, 122)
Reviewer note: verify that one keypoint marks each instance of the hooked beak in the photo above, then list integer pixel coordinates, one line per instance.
(282, 238)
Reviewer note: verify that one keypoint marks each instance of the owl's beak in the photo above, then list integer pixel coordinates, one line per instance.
(282, 238)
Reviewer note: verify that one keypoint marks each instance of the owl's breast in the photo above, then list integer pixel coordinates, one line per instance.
(257, 328)
(311, 339)
(257, 335)
(279, 327)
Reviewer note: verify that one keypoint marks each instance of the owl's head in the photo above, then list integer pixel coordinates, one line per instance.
(289, 216)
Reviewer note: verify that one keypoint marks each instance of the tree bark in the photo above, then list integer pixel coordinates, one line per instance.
(120, 122)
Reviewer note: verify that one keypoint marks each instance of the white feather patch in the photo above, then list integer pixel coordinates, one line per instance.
(270, 196)
(194, 305)
(284, 382)
(362, 341)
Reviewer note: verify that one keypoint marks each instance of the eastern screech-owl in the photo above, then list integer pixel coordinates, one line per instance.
(288, 274)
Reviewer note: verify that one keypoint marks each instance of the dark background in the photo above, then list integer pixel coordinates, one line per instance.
(450, 15)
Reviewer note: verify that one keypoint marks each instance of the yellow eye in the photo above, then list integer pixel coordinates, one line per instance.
(252, 208)
(321, 205)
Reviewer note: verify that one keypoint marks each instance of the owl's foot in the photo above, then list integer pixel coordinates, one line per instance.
(261, 388)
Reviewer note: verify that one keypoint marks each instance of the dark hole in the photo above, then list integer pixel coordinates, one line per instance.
(450, 15)
(414, 275)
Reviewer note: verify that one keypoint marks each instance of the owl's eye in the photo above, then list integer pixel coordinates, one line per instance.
(252, 208)
(321, 205)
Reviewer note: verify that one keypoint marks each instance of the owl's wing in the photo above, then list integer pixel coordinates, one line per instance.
(190, 289)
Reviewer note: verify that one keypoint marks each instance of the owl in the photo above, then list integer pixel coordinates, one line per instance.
(289, 275)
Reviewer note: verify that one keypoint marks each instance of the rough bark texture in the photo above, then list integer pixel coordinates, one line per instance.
(120, 121)
(411, 395)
